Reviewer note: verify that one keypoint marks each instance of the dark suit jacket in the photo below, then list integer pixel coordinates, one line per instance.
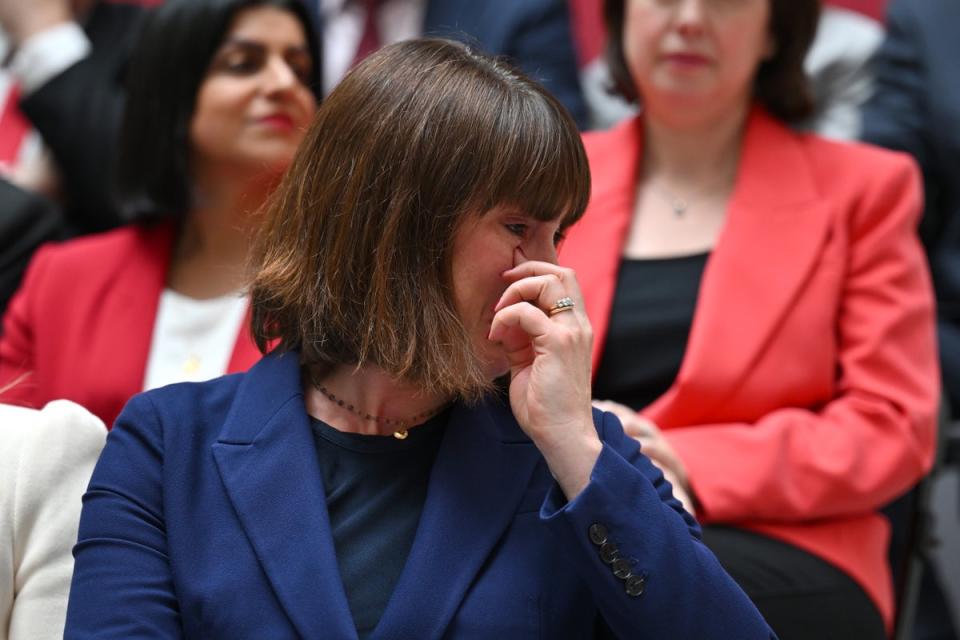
(206, 518)
(78, 114)
(26, 221)
(535, 34)
(916, 108)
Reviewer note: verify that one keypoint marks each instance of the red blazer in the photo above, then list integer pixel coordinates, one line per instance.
(80, 326)
(808, 393)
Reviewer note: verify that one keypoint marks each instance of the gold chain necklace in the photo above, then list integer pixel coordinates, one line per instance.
(400, 433)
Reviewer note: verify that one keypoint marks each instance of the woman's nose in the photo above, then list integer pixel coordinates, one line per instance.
(541, 252)
(278, 76)
(690, 17)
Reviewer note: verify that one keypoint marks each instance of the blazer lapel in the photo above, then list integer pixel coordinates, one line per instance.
(775, 229)
(140, 280)
(266, 459)
(482, 470)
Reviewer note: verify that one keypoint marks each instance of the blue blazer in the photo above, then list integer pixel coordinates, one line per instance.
(206, 518)
(535, 34)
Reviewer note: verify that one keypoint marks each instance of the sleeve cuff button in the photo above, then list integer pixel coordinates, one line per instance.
(598, 534)
(621, 569)
(609, 553)
(635, 586)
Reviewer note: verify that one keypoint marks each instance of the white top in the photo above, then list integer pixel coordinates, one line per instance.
(193, 339)
(343, 28)
(46, 458)
(47, 53)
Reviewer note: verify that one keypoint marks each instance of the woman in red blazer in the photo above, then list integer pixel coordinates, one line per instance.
(760, 298)
(220, 95)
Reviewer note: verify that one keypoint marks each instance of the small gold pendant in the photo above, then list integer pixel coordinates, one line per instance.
(192, 365)
(400, 434)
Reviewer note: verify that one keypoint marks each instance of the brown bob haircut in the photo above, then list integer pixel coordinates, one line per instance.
(352, 263)
(781, 84)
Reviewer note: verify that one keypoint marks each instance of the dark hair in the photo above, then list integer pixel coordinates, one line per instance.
(177, 42)
(353, 259)
(781, 83)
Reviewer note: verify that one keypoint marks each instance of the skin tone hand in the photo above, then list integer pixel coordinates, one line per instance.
(39, 174)
(23, 18)
(549, 360)
(655, 446)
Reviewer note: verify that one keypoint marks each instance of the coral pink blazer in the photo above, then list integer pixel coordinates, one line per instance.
(808, 393)
(81, 324)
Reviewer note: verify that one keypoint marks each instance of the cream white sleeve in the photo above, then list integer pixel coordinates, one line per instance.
(55, 458)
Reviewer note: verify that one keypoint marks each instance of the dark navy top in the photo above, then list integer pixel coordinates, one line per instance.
(376, 487)
(650, 322)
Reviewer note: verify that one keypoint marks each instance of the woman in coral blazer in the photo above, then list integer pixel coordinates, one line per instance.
(760, 297)
(103, 317)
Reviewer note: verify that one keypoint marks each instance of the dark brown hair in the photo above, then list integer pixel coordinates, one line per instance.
(781, 83)
(353, 259)
(175, 45)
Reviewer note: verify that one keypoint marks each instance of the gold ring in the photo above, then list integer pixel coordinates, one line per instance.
(561, 305)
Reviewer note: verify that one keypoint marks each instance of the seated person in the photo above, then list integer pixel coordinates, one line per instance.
(368, 478)
(760, 297)
(220, 95)
(915, 109)
(46, 458)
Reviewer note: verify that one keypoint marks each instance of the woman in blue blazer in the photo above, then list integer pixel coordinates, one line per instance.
(368, 478)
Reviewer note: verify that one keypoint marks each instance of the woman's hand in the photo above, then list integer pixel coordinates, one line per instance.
(21, 19)
(549, 357)
(654, 446)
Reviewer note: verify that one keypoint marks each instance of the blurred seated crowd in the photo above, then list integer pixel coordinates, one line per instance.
(692, 266)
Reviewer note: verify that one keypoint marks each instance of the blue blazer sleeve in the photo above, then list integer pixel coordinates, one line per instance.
(122, 584)
(683, 590)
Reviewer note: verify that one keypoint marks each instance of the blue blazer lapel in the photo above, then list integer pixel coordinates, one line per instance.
(482, 470)
(266, 458)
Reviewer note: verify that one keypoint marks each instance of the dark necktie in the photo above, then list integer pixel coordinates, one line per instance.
(370, 40)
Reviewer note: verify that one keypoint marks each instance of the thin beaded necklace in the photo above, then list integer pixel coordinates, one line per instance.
(400, 433)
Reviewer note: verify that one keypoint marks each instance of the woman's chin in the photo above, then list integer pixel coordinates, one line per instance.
(495, 363)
